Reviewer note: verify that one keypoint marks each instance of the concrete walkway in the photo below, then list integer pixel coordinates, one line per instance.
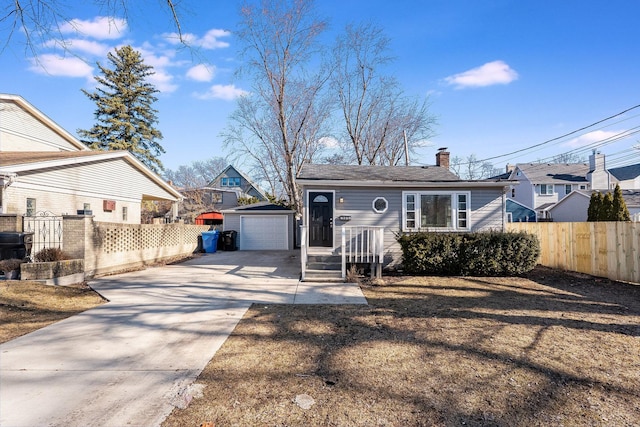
(131, 361)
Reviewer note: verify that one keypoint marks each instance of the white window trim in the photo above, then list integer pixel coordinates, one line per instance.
(454, 210)
(546, 186)
(386, 205)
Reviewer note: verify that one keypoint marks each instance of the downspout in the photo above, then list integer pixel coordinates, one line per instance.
(504, 208)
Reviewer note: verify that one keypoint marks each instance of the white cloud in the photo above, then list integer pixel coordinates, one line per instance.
(329, 142)
(225, 92)
(592, 137)
(491, 73)
(56, 65)
(211, 39)
(201, 73)
(78, 45)
(101, 27)
(163, 81)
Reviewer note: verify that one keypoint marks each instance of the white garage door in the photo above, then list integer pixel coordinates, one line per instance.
(264, 232)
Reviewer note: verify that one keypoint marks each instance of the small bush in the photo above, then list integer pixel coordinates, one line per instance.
(7, 265)
(469, 254)
(51, 255)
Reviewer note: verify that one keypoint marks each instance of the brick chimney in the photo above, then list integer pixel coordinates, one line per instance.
(442, 157)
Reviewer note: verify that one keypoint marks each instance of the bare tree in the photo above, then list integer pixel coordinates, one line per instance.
(41, 20)
(277, 125)
(472, 168)
(198, 174)
(377, 115)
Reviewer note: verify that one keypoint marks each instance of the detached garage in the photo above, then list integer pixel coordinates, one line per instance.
(261, 226)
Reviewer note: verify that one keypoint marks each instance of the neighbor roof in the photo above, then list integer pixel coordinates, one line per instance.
(554, 173)
(624, 173)
(12, 158)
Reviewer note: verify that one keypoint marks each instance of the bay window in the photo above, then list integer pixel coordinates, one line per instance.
(436, 210)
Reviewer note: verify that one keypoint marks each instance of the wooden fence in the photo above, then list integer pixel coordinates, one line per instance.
(604, 249)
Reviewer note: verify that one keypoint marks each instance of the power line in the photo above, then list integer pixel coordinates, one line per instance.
(560, 137)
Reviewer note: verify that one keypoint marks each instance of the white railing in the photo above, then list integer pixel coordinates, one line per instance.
(303, 251)
(362, 244)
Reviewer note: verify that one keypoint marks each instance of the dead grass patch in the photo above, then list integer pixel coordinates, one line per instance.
(27, 306)
(547, 349)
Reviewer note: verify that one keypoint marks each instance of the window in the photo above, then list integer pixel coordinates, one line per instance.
(583, 187)
(231, 182)
(546, 189)
(31, 206)
(124, 213)
(567, 189)
(380, 205)
(436, 210)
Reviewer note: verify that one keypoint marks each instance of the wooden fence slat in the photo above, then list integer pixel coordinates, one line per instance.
(604, 249)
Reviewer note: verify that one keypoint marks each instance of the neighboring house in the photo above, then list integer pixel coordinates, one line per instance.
(574, 207)
(543, 185)
(203, 205)
(232, 183)
(382, 201)
(43, 168)
(517, 212)
(261, 226)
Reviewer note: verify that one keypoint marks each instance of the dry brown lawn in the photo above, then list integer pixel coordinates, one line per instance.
(27, 306)
(551, 349)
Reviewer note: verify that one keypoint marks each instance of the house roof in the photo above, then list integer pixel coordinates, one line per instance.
(553, 173)
(624, 173)
(261, 207)
(25, 105)
(376, 173)
(19, 161)
(373, 175)
(13, 158)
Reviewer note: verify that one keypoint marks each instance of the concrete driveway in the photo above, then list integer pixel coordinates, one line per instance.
(132, 360)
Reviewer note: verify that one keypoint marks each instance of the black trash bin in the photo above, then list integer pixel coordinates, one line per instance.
(15, 244)
(229, 240)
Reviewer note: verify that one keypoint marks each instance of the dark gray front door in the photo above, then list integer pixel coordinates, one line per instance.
(321, 219)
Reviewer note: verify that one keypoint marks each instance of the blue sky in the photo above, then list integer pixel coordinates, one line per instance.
(501, 75)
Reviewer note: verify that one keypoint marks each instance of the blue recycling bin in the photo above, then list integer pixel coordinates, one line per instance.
(210, 241)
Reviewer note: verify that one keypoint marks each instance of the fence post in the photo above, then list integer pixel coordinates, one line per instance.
(343, 232)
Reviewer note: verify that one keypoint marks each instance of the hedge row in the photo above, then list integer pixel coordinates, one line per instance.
(469, 254)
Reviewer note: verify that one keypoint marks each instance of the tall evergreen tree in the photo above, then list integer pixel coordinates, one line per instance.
(619, 211)
(595, 203)
(606, 211)
(125, 117)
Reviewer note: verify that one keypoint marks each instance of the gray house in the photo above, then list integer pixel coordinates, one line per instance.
(355, 212)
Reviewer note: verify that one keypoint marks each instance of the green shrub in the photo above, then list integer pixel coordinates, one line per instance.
(469, 254)
(51, 255)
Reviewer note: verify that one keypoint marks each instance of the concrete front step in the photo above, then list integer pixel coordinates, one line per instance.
(312, 275)
(324, 262)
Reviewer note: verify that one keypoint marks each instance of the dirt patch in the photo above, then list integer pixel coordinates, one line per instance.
(547, 349)
(27, 306)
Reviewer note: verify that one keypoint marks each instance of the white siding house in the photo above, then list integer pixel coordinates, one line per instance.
(45, 169)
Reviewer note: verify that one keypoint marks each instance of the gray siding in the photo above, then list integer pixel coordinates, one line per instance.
(487, 212)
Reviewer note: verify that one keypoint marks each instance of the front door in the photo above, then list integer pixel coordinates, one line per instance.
(321, 219)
